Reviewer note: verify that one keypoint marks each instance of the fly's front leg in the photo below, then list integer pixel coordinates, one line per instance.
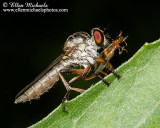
(112, 70)
(73, 80)
(94, 76)
(104, 81)
(86, 72)
(101, 60)
(98, 76)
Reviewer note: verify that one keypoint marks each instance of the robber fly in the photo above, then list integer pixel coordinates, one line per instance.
(80, 49)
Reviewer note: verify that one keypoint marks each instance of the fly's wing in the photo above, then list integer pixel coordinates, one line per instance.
(55, 62)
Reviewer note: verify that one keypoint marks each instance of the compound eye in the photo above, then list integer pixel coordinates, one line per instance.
(98, 36)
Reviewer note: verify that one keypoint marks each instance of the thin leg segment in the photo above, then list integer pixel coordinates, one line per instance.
(98, 76)
(112, 70)
(68, 87)
(104, 81)
(82, 74)
(74, 79)
(72, 71)
(104, 73)
(91, 77)
(100, 60)
(77, 90)
(86, 71)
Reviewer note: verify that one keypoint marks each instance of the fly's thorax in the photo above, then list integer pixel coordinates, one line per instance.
(84, 56)
(77, 39)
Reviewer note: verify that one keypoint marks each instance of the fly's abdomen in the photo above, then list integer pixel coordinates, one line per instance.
(40, 87)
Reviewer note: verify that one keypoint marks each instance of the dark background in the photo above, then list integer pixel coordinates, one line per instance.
(31, 41)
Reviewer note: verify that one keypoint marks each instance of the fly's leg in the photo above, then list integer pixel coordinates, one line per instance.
(82, 73)
(77, 90)
(86, 72)
(64, 99)
(104, 81)
(74, 71)
(94, 76)
(101, 60)
(72, 81)
(112, 70)
(91, 77)
(68, 88)
(104, 73)
(98, 76)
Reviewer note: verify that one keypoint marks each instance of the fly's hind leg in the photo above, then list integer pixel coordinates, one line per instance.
(67, 85)
(68, 88)
(72, 81)
(81, 74)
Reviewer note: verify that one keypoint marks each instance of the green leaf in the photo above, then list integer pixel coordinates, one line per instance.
(132, 101)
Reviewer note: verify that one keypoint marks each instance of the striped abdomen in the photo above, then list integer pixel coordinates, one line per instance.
(41, 84)
(37, 89)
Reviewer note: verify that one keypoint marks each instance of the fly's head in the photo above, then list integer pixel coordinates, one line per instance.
(99, 39)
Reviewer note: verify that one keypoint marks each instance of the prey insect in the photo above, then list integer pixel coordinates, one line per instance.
(90, 53)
